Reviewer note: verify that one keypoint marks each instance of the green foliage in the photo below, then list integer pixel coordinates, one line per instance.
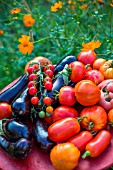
(55, 34)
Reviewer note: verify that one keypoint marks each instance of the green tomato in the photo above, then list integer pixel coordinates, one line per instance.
(41, 114)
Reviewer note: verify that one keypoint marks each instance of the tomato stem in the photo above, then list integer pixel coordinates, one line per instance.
(87, 153)
(90, 125)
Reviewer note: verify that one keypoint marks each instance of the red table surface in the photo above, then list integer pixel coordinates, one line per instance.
(38, 160)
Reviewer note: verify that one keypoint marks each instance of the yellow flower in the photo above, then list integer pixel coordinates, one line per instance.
(111, 5)
(1, 32)
(26, 46)
(15, 11)
(69, 2)
(28, 20)
(56, 6)
(83, 6)
(91, 45)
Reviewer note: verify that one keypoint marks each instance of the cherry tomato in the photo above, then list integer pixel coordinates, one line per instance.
(78, 71)
(32, 77)
(49, 73)
(32, 90)
(31, 83)
(47, 79)
(48, 85)
(98, 62)
(94, 118)
(5, 110)
(49, 119)
(67, 96)
(49, 109)
(62, 112)
(63, 129)
(41, 114)
(47, 100)
(34, 100)
(30, 70)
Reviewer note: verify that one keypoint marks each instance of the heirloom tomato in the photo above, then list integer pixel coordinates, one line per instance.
(93, 118)
(110, 117)
(5, 110)
(95, 76)
(63, 129)
(63, 112)
(64, 156)
(78, 71)
(87, 93)
(98, 62)
(67, 96)
(107, 69)
(40, 59)
(87, 57)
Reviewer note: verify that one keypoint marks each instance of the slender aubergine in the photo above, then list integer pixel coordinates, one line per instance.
(8, 95)
(40, 135)
(21, 105)
(14, 129)
(19, 149)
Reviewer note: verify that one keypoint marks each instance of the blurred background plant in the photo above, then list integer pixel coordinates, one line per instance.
(56, 29)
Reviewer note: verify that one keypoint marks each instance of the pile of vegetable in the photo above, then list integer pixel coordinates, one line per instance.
(64, 109)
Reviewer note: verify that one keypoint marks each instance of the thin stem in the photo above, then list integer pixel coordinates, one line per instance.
(42, 39)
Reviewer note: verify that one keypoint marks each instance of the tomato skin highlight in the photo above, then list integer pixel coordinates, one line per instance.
(63, 129)
(81, 139)
(62, 112)
(98, 144)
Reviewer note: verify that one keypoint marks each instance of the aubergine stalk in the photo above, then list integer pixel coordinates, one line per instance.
(19, 149)
(40, 135)
(14, 129)
(21, 105)
(9, 94)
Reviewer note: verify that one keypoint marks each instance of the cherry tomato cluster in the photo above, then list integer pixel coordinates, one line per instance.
(35, 72)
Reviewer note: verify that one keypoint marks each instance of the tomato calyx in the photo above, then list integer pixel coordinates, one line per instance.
(87, 153)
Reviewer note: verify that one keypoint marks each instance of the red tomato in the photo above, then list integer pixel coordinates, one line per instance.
(62, 112)
(63, 129)
(98, 62)
(81, 139)
(67, 96)
(95, 76)
(5, 110)
(78, 71)
(87, 57)
(94, 118)
(110, 117)
(47, 100)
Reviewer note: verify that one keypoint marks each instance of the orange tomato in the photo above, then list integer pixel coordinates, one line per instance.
(98, 62)
(64, 156)
(110, 117)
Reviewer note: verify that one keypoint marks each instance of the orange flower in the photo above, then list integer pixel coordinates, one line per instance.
(15, 11)
(26, 46)
(56, 6)
(83, 6)
(100, 1)
(1, 32)
(91, 45)
(28, 20)
(111, 5)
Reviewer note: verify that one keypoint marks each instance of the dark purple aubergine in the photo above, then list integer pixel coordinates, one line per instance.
(40, 136)
(14, 129)
(21, 105)
(67, 60)
(9, 95)
(19, 149)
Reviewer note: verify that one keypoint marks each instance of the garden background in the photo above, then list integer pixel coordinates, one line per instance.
(55, 32)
